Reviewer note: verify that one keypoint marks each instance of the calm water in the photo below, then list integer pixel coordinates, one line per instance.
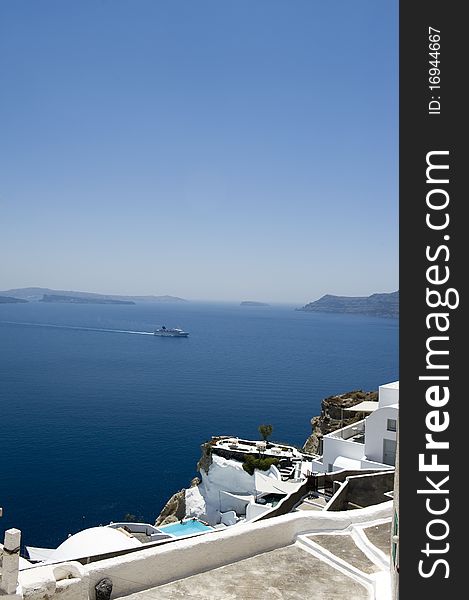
(98, 424)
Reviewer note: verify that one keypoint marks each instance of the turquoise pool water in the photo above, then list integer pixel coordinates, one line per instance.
(186, 528)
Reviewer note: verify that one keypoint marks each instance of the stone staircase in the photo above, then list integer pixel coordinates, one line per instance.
(286, 472)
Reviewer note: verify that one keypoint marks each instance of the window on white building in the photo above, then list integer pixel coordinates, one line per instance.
(392, 425)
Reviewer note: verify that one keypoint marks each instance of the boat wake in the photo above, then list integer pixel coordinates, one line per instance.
(78, 328)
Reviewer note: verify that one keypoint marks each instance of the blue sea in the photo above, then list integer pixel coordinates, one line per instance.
(95, 424)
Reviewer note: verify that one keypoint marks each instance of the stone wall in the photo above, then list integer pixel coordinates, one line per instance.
(362, 490)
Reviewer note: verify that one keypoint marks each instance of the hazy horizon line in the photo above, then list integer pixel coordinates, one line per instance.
(193, 299)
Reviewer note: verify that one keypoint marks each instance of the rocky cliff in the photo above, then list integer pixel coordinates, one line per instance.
(334, 417)
(175, 509)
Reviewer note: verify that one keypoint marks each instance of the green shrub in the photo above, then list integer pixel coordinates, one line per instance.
(265, 431)
(263, 464)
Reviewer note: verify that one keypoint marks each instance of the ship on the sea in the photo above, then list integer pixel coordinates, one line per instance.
(170, 332)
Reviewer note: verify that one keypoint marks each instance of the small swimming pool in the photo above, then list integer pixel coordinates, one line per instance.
(185, 528)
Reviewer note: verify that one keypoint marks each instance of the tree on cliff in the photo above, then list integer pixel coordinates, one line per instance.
(265, 431)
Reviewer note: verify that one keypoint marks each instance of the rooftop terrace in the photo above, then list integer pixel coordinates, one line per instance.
(323, 566)
(285, 573)
(299, 555)
(266, 448)
(352, 433)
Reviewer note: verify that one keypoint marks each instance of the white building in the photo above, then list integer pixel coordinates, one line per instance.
(288, 556)
(367, 444)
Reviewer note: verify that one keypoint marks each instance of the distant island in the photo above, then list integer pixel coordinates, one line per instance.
(80, 300)
(36, 294)
(11, 300)
(253, 303)
(376, 305)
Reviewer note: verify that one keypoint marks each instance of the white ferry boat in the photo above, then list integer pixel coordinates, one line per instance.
(171, 332)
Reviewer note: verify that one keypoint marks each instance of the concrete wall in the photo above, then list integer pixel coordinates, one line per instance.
(344, 474)
(369, 464)
(151, 567)
(388, 394)
(368, 490)
(318, 465)
(230, 502)
(362, 490)
(334, 447)
(376, 432)
(287, 504)
(254, 511)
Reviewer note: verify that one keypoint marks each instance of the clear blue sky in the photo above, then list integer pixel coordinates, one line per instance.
(209, 149)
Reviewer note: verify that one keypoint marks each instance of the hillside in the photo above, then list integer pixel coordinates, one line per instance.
(377, 305)
(36, 294)
(10, 300)
(80, 300)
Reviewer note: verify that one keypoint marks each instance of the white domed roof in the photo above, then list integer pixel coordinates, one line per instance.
(96, 540)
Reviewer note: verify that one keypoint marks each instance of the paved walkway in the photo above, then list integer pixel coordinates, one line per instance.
(323, 566)
(289, 573)
(380, 536)
(344, 547)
